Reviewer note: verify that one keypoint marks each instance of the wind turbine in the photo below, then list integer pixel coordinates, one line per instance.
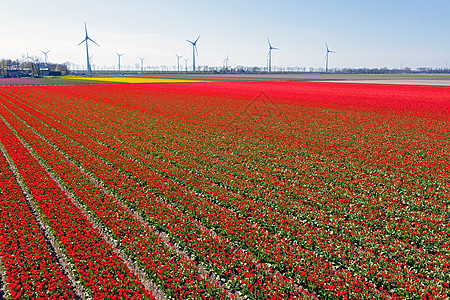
(142, 63)
(86, 39)
(270, 54)
(28, 57)
(326, 56)
(185, 63)
(178, 59)
(194, 50)
(45, 54)
(119, 55)
(226, 61)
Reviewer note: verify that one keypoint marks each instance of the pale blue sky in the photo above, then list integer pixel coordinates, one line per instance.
(363, 33)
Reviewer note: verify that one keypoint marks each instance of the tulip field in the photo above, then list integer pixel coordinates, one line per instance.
(225, 190)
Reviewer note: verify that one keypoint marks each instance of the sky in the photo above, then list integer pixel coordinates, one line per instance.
(364, 34)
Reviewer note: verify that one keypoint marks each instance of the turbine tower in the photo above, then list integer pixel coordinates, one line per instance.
(86, 39)
(270, 55)
(178, 60)
(45, 55)
(194, 50)
(326, 56)
(142, 63)
(185, 63)
(119, 55)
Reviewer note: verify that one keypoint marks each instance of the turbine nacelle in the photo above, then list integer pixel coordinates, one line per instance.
(194, 44)
(270, 46)
(87, 38)
(328, 50)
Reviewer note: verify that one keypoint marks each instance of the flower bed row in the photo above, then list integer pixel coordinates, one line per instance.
(32, 270)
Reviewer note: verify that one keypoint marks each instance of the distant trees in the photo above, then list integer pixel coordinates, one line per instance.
(3, 67)
(61, 68)
(21, 68)
(35, 70)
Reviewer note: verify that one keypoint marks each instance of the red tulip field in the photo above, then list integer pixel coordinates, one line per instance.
(225, 190)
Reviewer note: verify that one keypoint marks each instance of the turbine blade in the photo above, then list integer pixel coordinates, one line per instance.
(93, 41)
(275, 48)
(326, 45)
(196, 40)
(190, 42)
(270, 46)
(85, 28)
(196, 51)
(81, 42)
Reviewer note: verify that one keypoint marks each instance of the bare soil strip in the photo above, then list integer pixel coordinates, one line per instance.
(4, 289)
